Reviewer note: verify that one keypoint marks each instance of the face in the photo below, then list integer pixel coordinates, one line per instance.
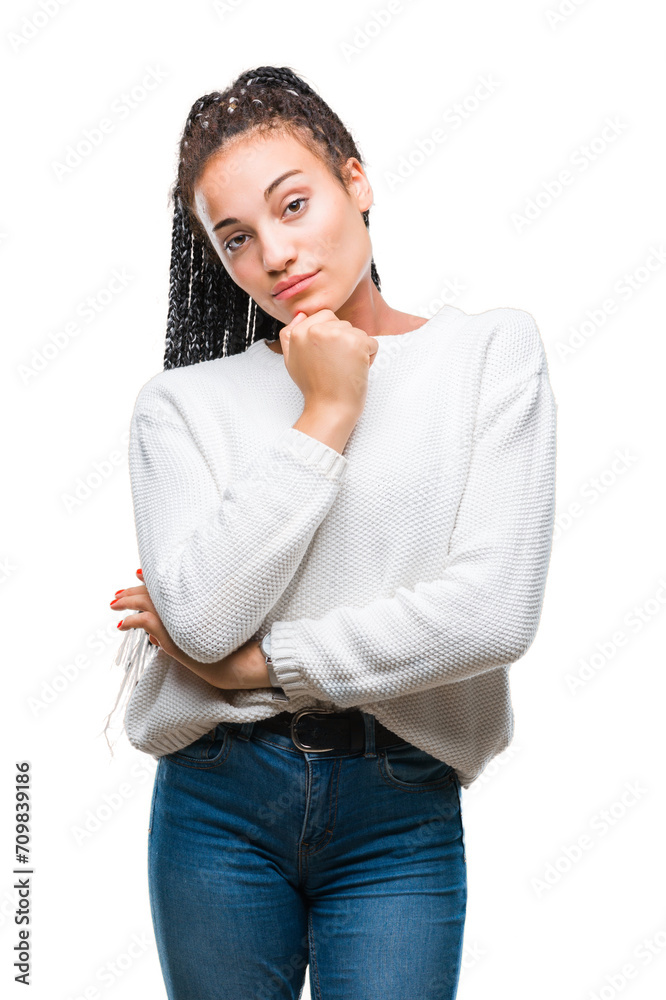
(266, 226)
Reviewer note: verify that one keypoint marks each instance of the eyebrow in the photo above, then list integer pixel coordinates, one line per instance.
(267, 193)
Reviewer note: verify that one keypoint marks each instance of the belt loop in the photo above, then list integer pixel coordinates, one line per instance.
(369, 721)
(245, 731)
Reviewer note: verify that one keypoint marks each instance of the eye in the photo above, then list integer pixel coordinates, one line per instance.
(295, 202)
(232, 247)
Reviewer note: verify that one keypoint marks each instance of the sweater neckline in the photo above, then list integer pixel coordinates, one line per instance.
(263, 351)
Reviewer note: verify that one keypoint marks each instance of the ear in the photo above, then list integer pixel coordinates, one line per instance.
(359, 184)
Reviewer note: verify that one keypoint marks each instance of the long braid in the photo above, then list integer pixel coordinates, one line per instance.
(179, 281)
(209, 315)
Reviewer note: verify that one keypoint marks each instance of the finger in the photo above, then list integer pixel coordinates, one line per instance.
(294, 320)
(321, 316)
(142, 589)
(142, 619)
(136, 598)
(129, 622)
(285, 333)
(129, 592)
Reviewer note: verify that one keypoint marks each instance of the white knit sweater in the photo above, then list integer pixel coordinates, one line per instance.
(402, 577)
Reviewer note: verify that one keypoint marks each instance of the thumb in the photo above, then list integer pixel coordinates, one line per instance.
(285, 333)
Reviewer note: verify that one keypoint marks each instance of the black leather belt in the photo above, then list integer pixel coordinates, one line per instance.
(324, 729)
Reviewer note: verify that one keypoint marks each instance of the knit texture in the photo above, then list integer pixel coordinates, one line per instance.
(402, 578)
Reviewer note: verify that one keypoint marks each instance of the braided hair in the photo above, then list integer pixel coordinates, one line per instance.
(209, 315)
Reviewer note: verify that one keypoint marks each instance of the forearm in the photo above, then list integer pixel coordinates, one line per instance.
(331, 426)
(243, 669)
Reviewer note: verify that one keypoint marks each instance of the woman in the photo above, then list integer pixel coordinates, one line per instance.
(344, 516)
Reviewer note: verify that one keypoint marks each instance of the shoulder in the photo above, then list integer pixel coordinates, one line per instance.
(504, 343)
(174, 392)
(514, 351)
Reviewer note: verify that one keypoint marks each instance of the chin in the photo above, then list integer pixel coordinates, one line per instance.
(314, 304)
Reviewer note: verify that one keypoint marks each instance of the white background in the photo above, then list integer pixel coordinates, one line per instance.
(537, 923)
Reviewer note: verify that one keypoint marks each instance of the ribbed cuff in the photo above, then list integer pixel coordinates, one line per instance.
(314, 452)
(285, 663)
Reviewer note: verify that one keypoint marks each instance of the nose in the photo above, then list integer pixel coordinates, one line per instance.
(277, 251)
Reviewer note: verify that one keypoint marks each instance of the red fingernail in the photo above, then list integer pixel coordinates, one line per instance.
(119, 623)
(118, 592)
(140, 571)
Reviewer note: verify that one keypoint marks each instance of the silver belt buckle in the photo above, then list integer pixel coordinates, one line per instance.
(309, 711)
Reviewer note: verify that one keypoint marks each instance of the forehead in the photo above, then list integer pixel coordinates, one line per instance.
(245, 167)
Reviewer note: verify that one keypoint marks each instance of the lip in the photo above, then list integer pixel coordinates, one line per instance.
(294, 285)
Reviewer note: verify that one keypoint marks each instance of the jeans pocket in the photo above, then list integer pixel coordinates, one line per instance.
(209, 750)
(410, 768)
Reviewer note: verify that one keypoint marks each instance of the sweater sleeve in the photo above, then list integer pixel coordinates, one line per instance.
(216, 555)
(483, 610)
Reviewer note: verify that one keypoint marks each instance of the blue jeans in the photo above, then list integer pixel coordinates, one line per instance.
(263, 858)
